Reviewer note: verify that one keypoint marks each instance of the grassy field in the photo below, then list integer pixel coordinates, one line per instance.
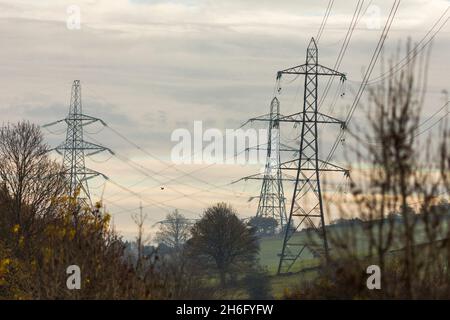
(270, 247)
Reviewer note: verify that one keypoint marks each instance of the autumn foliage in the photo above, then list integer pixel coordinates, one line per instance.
(42, 232)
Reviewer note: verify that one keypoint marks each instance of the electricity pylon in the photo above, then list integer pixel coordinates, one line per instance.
(306, 209)
(271, 199)
(74, 149)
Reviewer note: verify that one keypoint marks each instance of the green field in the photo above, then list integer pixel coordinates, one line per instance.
(270, 247)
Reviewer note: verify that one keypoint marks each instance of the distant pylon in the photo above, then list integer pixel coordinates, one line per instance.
(271, 199)
(306, 209)
(74, 149)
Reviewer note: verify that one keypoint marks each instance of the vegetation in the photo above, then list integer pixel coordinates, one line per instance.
(409, 245)
(42, 232)
(174, 231)
(393, 217)
(258, 284)
(263, 225)
(222, 243)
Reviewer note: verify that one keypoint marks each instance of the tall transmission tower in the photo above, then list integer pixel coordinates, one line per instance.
(306, 211)
(74, 149)
(271, 199)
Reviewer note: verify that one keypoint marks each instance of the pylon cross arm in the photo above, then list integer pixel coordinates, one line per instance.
(90, 174)
(264, 118)
(84, 145)
(85, 119)
(306, 165)
(306, 69)
(264, 146)
(52, 123)
(309, 116)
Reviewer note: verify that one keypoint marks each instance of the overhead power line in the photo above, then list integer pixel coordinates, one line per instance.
(421, 45)
(324, 20)
(367, 74)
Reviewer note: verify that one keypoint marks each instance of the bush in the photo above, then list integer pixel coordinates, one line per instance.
(257, 284)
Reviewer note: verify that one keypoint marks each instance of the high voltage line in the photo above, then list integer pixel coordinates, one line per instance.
(324, 20)
(159, 160)
(343, 49)
(399, 65)
(143, 170)
(193, 194)
(78, 174)
(434, 124)
(307, 183)
(366, 77)
(421, 124)
(128, 161)
(149, 174)
(308, 165)
(183, 173)
(415, 51)
(151, 202)
(432, 116)
(75, 149)
(162, 183)
(354, 21)
(373, 60)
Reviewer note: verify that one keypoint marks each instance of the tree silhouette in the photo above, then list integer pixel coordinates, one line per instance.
(222, 243)
(174, 230)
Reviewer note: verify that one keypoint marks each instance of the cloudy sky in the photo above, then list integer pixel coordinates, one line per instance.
(148, 67)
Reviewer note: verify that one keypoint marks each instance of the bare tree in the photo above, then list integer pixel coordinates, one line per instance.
(39, 238)
(141, 240)
(31, 183)
(174, 230)
(397, 182)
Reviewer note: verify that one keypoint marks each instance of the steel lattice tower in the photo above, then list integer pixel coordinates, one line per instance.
(271, 199)
(306, 209)
(74, 149)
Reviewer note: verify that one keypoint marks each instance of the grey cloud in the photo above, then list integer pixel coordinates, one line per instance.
(147, 69)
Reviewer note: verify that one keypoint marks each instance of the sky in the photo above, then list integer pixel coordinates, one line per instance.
(149, 67)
